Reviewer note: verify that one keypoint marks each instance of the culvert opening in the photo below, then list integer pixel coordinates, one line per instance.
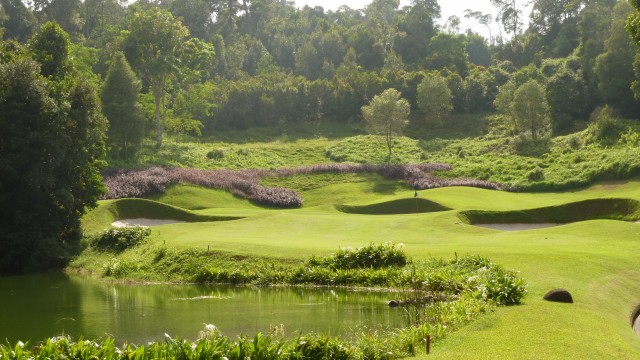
(635, 320)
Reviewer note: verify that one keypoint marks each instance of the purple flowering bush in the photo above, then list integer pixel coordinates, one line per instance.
(123, 183)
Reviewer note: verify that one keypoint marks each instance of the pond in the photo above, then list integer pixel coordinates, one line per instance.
(36, 307)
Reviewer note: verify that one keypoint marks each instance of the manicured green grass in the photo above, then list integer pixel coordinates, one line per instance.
(109, 211)
(596, 260)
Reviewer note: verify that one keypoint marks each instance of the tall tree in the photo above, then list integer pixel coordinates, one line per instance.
(51, 147)
(510, 16)
(434, 98)
(387, 115)
(120, 104)
(19, 21)
(152, 47)
(50, 47)
(417, 27)
(531, 111)
(614, 67)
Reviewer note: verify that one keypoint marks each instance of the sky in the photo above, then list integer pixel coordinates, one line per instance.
(449, 8)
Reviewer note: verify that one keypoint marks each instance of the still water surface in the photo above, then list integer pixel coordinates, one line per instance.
(39, 306)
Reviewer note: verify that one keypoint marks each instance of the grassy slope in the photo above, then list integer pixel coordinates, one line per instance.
(596, 260)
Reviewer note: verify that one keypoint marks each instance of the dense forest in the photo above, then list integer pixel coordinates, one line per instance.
(79, 79)
(203, 67)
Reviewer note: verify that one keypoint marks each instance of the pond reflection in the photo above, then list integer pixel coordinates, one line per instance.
(41, 306)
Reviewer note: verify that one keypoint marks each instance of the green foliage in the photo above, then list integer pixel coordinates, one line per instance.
(50, 48)
(567, 161)
(369, 149)
(434, 99)
(120, 239)
(614, 67)
(387, 115)
(606, 127)
(152, 46)
(52, 143)
(530, 110)
(371, 256)
(121, 107)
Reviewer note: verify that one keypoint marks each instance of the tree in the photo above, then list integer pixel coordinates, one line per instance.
(20, 21)
(567, 95)
(387, 115)
(434, 98)
(614, 67)
(510, 15)
(50, 47)
(418, 27)
(448, 51)
(530, 110)
(152, 47)
(120, 100)
(51, 147)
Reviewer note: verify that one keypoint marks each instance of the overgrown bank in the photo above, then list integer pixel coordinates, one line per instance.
(439, 297)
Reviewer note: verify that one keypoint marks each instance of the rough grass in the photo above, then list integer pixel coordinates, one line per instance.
(563, 163)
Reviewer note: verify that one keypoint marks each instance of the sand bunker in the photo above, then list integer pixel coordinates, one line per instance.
(144, 222)
(517, 226)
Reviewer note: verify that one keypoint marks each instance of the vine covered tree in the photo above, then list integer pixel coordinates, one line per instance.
(387, 115)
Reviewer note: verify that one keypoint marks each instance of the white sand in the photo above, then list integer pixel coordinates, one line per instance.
(518, 226)
(143, 222)
(636, 326)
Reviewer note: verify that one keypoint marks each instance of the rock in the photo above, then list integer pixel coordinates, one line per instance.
(559, 295)
(394, 303)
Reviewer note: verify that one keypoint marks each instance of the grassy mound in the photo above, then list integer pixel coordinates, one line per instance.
(399, 206)
(592, 209)
(195, 197)
(111, 210)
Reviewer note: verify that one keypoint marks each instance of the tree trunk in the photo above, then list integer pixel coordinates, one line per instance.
(157, 93)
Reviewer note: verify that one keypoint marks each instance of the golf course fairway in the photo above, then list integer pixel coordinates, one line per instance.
(596, 260)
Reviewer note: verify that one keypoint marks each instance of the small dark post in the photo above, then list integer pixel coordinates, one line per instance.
(428, 344)
(456, 255)
(208, 249)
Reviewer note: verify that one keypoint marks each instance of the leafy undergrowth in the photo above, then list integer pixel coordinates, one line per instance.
(373, 149)
(440, 296)
(215, 155)
(560, 163)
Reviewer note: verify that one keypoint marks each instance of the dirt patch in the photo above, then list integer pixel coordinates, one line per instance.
(517, 226)
(144, 222)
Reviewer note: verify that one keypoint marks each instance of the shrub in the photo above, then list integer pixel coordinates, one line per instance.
(215, 154)
(536, 174)
(371, 256)
(119, 239)
(605, 128)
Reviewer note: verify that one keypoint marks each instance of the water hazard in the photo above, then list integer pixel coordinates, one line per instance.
(36, 307)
